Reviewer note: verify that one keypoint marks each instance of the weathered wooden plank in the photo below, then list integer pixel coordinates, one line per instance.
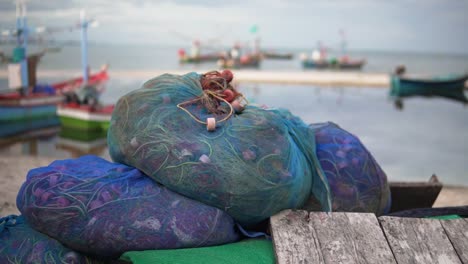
(293, 239)
(416, 240)
(457, 232)
(317, 237)
(350, 238)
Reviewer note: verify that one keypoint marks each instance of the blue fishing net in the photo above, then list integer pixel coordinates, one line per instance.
(104, 209)
(356, 181)
(22, 244)
(255, 163)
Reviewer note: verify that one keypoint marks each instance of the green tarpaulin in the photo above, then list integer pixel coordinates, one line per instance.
(255, 251)
(446, 217)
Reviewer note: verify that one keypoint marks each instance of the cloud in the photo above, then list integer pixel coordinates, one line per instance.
(34, 5)
(403, 24)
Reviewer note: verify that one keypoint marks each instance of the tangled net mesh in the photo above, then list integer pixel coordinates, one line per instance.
(23, 244)
(105, 209)
(254, 164)
(356, 181)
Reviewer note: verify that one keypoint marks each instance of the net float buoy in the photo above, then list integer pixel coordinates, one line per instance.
(228, 95)
(238, 108)
(227, 75)
(210, 124)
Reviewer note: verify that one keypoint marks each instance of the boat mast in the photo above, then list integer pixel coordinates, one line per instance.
(84, 46)
(22, 41)
(343, 42)
(256, 44)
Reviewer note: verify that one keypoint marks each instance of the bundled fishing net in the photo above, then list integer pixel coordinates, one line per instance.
(356, 181)
(22, 244)
(105, 209)
(194, 134)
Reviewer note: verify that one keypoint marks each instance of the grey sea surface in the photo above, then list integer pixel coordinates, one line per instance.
(144, 57)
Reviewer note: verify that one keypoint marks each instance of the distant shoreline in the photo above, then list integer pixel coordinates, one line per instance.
(294, 49)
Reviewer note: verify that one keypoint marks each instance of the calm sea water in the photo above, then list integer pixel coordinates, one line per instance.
(430, 135)
(143, 57)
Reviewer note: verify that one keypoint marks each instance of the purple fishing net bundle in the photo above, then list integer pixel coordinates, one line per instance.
(19, 243)
(356, 181)
(105, 209)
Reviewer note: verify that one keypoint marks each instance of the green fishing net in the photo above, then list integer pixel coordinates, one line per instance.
(253, 164)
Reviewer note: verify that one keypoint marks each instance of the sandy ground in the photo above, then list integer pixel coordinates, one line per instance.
(13, 171)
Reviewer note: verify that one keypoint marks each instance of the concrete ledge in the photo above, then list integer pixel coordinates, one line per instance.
(325, 78)
(322, 78)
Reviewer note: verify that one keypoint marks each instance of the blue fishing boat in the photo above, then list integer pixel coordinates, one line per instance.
(14, 107)
(25, 106)
(26, 127)
(452, 86)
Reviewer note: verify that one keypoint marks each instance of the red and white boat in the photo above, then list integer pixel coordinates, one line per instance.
(15, 106)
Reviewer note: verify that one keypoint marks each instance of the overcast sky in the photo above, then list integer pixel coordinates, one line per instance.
(413, 25)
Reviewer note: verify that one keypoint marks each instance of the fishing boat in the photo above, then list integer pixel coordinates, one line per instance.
(245, 61)
(97, 78)
(197, 56)
(85, 117)
(83, 136)
(333, 64)
(411, 195)
(26, 105)
(23, 111)
(201, 58)
(24, 127)
(15, 107)
(277, 55)
(321, 60)
(20, 114)
(82, 110)
(451, 86)
(351, 64)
